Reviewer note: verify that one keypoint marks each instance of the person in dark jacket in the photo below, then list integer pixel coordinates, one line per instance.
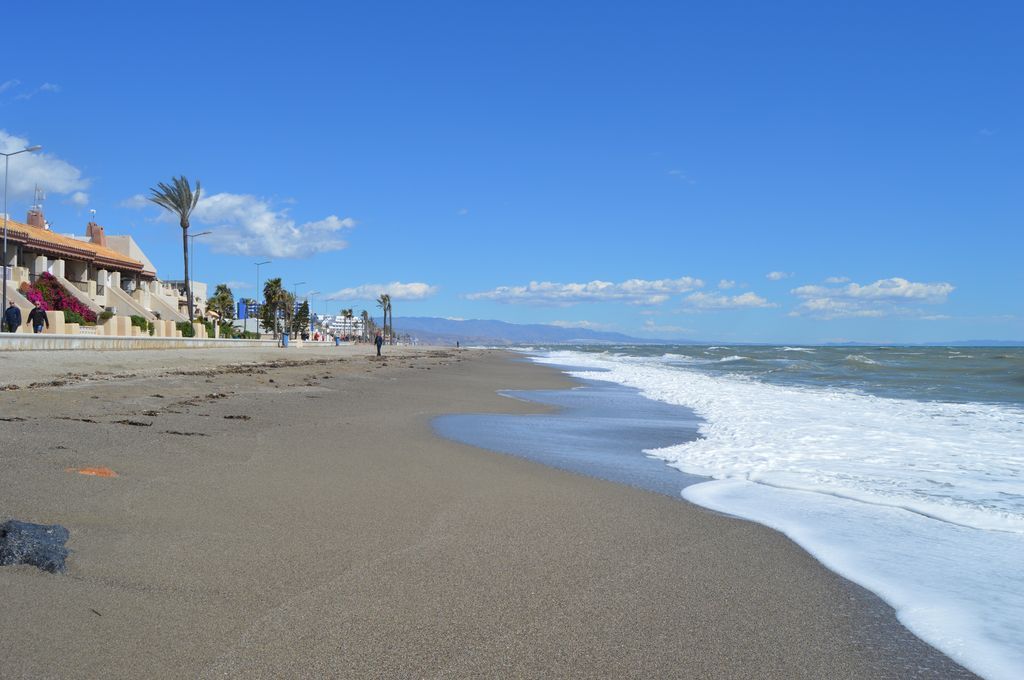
(379, 340)
(12, 318)
(37, 317)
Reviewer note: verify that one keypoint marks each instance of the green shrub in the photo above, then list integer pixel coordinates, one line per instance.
(186, 329)
(139, 321)
(106, 314)
(73, 317)
(227, 330)
(151, 327)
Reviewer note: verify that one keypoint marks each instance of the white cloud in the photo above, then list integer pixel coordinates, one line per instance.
(463, 212)
(397, 291)
(79, 198)
(837, 279)
(239, 284)
(778, 276)
(681, 176)
(633, 291)
(248, 225)
(726, 284)
(709, 301)
(589, 325)
(29, 169)
(136, 202)
(8, 84)
(885, 297)
(45, 87)
(831, 308)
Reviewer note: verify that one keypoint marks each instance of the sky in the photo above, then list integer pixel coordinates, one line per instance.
(732, 171)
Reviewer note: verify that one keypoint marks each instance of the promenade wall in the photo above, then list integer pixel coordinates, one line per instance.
(44, 341)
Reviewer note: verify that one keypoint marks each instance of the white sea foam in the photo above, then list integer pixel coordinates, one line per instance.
(861, 359)
(921, 502)
(734, 357)
(684, 358)
(798, 349)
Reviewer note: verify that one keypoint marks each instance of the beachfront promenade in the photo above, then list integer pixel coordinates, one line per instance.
(42, 341)
(283, 513)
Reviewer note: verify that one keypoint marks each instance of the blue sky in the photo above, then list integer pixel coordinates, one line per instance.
(782, 172)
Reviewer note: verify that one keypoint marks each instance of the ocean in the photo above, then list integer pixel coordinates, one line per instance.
(900, 468)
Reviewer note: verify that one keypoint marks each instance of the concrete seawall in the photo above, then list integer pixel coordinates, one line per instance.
(42, 341)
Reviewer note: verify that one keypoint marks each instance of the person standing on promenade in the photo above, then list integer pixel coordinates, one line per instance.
(37, 317)
(379, 340)
(12, 318)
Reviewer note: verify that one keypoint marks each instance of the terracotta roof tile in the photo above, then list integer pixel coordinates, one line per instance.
(67, 246)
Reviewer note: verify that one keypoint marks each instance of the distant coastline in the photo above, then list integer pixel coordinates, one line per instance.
(442, 331)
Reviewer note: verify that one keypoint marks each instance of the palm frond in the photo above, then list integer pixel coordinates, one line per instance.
(176, 197)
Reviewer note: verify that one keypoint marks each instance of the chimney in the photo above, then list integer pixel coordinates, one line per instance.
(35, 218)
(35, 213)
(95, 234)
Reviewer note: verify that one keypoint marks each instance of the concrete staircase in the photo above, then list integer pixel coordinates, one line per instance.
(126, 304)
(73, 290)
(166, 311)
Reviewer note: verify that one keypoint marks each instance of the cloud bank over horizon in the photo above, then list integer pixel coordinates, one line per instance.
(632, 291)
(894, 296)
(396, 289)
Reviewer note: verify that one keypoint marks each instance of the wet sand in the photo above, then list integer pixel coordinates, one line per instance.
(302, 520)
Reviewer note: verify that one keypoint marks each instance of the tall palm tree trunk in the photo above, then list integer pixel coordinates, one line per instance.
(188, 283)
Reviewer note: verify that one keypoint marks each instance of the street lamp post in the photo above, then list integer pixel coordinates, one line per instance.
(258, 265)
(312, 312)
(7, 165)
(191, 260)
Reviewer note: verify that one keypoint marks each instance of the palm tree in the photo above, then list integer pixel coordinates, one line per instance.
(365, 316)
(222, 302)
(391, 313)
(179, 199)
(384, 302)
(347, 315)
(272, 292)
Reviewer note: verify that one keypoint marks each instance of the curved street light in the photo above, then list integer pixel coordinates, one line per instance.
(258, 294)
(191, 260)
(312, 312)
(295, 299)
(7, 162)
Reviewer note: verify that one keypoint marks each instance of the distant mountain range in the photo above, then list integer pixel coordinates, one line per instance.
(438, 331)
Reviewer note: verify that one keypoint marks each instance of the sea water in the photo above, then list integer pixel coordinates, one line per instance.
(900, 468)
(600, 429)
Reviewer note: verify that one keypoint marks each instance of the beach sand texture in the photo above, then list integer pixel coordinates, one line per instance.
(300, 519)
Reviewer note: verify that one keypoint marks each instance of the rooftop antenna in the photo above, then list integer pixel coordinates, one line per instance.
(92, 214)
(37, 205)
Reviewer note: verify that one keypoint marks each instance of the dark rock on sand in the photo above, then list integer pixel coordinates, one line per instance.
(41, 545)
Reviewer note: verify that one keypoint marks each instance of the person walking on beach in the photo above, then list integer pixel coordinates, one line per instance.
(37, 317)
(12, 318)
(379, 340)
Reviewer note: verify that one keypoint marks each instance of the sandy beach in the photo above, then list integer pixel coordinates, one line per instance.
(292, 514)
